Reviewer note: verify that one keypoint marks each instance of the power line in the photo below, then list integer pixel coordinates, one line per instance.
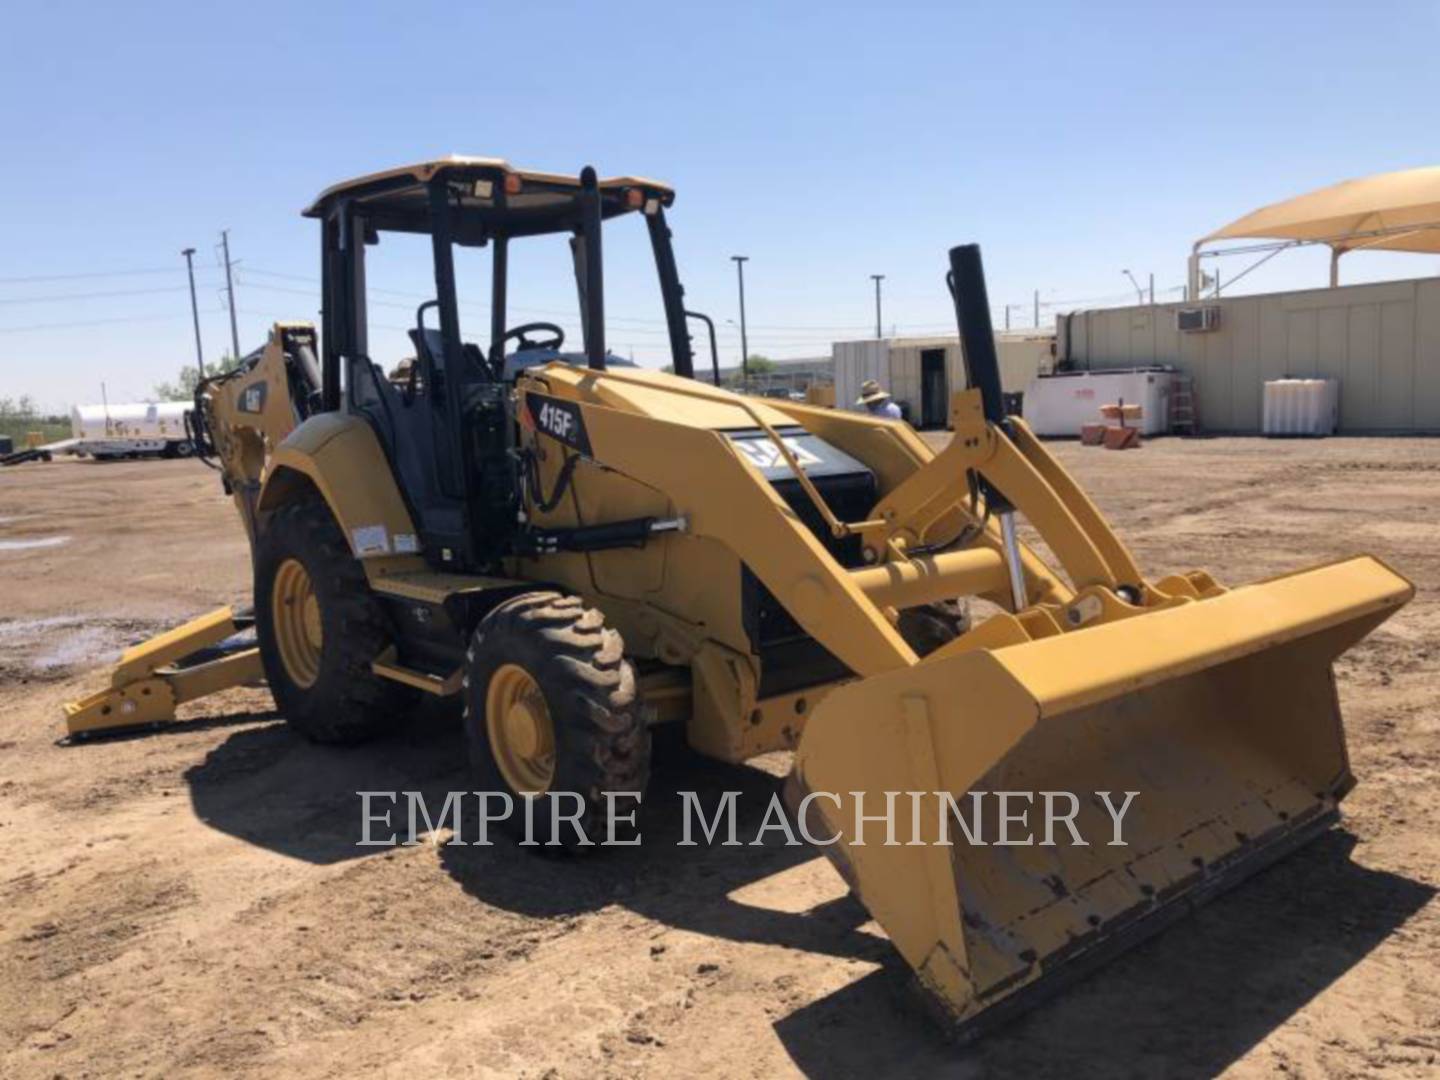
(784, 336)
(277, 274)
(88, 322)
(641, 319)
(55, 298)
(771, 335)
(24, 278)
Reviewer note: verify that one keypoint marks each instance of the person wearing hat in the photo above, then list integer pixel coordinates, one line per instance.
(877, 402)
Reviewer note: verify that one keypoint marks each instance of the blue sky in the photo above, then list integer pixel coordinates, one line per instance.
(827, 142)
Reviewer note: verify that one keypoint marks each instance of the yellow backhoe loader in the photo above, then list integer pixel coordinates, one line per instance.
(583, 550)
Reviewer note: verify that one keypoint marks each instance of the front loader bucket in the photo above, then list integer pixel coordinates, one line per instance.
(1220, 713)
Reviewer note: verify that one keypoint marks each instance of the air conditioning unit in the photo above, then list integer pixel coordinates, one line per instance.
(1197, 320)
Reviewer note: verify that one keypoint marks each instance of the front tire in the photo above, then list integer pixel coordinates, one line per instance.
(319, 627)
(551, 708)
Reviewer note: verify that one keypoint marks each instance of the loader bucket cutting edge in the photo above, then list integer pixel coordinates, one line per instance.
(1221, 714)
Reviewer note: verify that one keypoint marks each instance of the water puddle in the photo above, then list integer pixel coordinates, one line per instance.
(38, 542)
(53, 646)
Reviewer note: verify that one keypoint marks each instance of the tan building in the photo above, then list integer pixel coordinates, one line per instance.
(921, 373)
(1381, 341)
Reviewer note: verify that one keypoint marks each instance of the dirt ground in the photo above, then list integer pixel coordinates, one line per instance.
(192, 902)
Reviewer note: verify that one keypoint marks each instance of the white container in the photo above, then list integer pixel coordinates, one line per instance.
(1300, 407)
(137, 422)
(1062, 403)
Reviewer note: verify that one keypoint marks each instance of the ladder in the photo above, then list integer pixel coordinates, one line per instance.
(1184, 417)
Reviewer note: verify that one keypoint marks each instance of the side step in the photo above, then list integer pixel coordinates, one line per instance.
(387, 666)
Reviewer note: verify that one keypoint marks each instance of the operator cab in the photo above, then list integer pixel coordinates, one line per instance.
(446, 418)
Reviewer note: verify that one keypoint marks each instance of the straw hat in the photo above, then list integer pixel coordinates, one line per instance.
(870, 393)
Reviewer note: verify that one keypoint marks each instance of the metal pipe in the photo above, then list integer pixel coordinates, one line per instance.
(1012, 560)
(927, 578)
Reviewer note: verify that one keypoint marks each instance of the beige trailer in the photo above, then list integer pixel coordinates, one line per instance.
(921, 373)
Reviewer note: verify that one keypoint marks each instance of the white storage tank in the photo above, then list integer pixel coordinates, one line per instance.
(130, 430)
(1062, 403)
(138, 421)
(1300, 407)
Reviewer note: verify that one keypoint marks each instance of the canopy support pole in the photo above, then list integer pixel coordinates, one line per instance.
(1335, 254)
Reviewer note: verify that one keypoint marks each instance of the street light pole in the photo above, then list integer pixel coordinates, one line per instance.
(740, 261)
(877, 278)
(1139, 292)
(189, 254)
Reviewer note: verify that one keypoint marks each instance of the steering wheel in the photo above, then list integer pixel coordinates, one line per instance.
(521, 336)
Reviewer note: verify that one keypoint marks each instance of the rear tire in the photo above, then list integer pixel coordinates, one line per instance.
(929, 626)
(551, 707)
(319, 626)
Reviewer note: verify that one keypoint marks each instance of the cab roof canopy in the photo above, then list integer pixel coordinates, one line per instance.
(492, 197)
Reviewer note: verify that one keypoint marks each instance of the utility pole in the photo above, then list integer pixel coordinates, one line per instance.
(189, 254)
(1037, 309)
(230, 292)
(1152, 288)
(740, 261)
(877, 278)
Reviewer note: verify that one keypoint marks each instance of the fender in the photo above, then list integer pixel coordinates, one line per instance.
(341, 458)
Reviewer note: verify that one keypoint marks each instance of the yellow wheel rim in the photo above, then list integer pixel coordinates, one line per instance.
(522, 736)
(296, 613)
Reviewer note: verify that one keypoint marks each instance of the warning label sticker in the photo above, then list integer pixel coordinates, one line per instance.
(370, 540)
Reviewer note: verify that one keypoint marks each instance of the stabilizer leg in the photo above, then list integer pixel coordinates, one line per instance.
(152, 678)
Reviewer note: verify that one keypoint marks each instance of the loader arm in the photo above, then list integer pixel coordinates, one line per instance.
(725, 497)
(1040, 488)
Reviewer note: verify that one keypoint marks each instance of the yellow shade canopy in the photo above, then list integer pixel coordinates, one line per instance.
(1396, 211)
